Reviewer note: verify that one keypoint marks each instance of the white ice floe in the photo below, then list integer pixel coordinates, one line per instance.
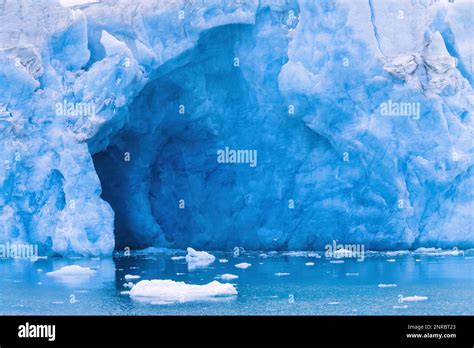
(309, 263)
(387, 285)
(281, 274)
(198, 259)
(131, 276)
(413, 298)
(352, 274)
(125, 292)
(336, 261)
(391, 260)
(128, 285)
(333, 303)
(223, 260)
(169, 290)
(176, 258)
(439, 252)
(400, 307)
(397, 252)
(72, 271)
(343, 253)
(228, 276)
(243, 265)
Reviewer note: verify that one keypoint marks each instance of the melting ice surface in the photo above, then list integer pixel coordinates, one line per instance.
(426, 283)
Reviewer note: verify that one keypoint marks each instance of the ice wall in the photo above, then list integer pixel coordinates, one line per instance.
(158, 87)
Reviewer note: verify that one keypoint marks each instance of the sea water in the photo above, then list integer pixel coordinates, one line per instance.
(291, 283)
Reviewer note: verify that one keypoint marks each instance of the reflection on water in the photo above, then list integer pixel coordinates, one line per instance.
(383, 284)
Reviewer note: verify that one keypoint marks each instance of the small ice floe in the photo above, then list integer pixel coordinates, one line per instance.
(180, 274)
(128, 285)
(352, 274)
(400, 307)
(387, 285)
(343, 253)
(131, 276)
(391, 260)
(72, 271)
(417, 260)
(263, 256)
(243, 265)
(397, 253)
(171, 291)
(223, 260)
(39, 270)
(333, 303)
(39, 283)
(198, 259)
(282, 274)
(309, 263)
(439, 252)
(296, 253)
(228, 277)
(336, 261)
(176, 258)
(125, 292)
(134, 267)
(413, 298)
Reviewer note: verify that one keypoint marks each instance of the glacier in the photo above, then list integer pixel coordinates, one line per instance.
(112, 113)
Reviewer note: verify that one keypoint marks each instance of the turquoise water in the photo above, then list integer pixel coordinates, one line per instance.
(327, 288)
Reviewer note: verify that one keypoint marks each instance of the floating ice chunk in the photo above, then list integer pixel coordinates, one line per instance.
(223, 260)
(228, 276)
(343, 253)
(309, 263)
(336, 261)
(176, 258)
(387, 285)
(169, 290)
(281, 274)
(397, 252)
(198, 259)
(195, 256)
(264, 256)
(400, 307)
(413, 298)
(125, 292)
(352, 274)
(131, 276)
(296, 253)
(72, 271)
(439, 252)
(391, 260)
(333, 303)
(128, 285)
(243, 265)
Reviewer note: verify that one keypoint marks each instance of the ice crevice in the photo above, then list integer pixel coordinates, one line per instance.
(110, 136)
